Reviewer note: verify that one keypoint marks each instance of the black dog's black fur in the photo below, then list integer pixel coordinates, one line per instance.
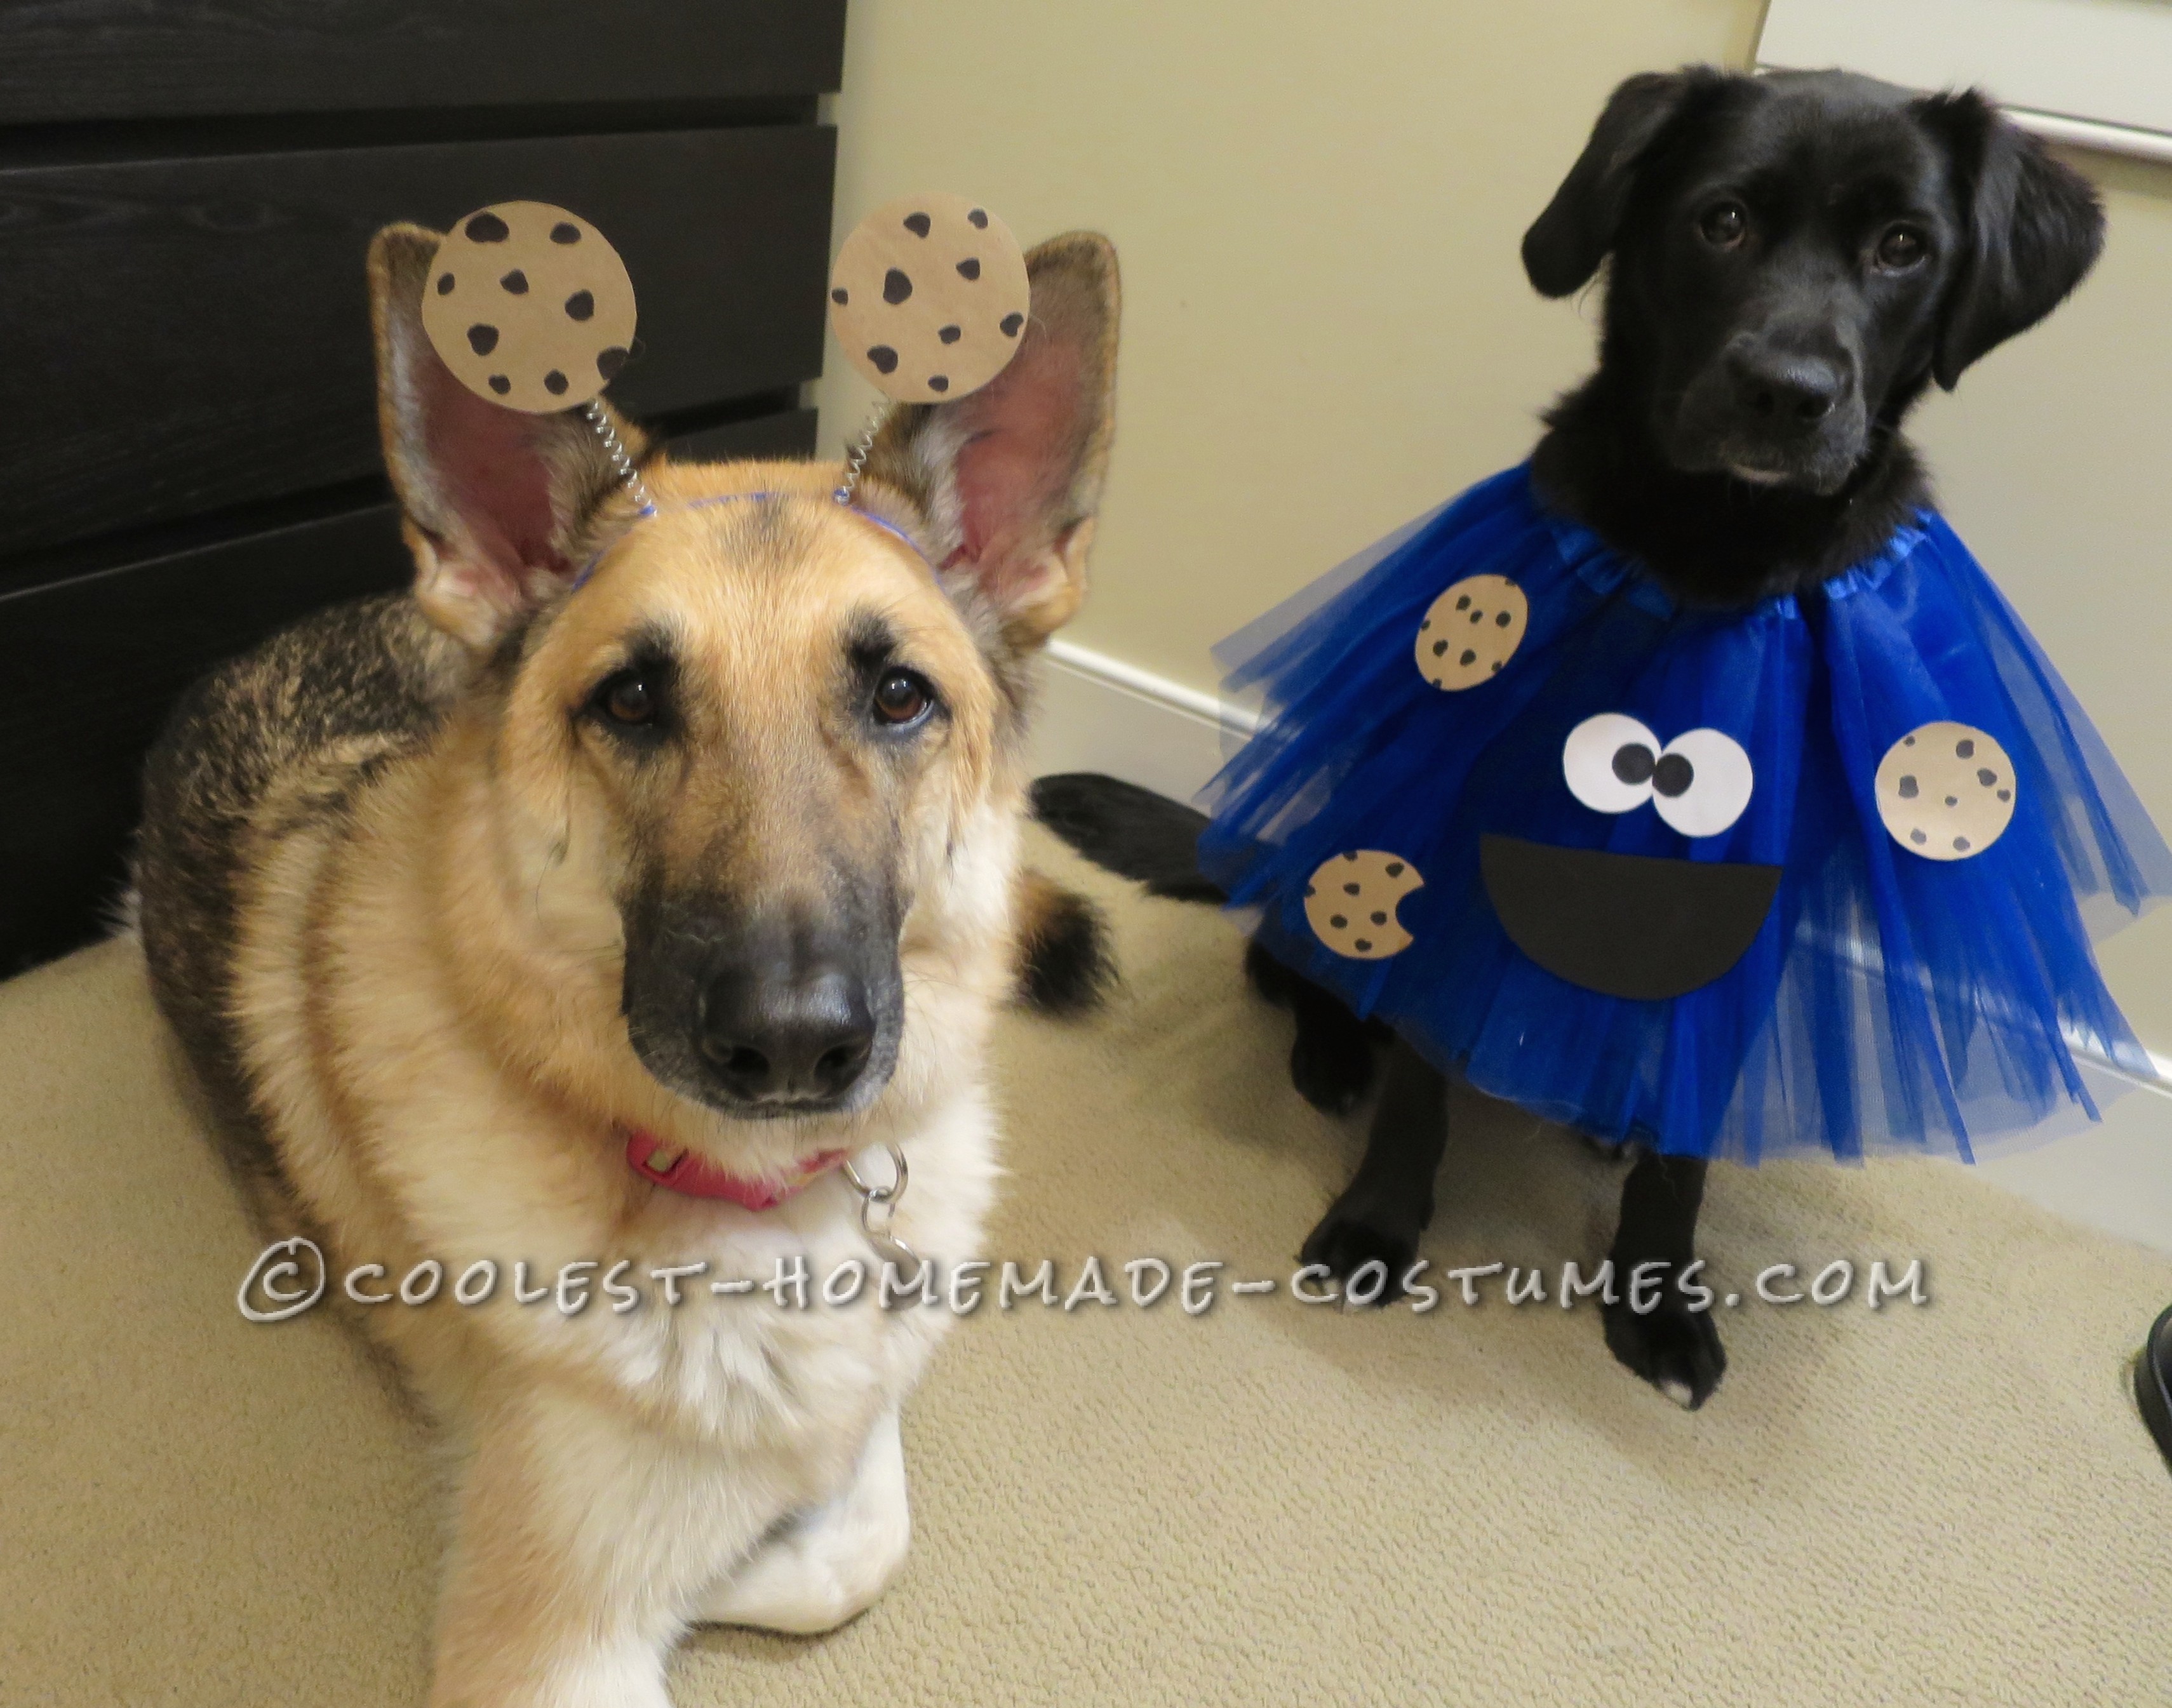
(1131, 831)
(1794, 260)
(1711, 355)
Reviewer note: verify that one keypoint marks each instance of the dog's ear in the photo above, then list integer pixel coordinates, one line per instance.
(2033, 227)
(1009, 478)
(494, 502)
(1565, 243)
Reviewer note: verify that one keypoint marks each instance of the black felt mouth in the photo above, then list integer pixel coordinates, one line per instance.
(1626, 925)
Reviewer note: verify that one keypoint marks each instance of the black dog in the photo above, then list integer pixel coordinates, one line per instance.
(1794, 260)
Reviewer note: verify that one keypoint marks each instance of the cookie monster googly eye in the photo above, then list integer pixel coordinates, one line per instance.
(1699, 782)
(1609, 761)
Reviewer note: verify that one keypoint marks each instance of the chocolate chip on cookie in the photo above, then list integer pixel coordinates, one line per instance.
(529, 307)
(1351, 903)
(1945, 791)
(1471, 631)
(930, 298)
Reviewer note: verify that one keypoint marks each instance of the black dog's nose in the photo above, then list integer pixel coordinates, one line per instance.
(1782, 390)
(777, 1037)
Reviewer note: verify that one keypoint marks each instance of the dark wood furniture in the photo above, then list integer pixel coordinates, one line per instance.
(188, 445)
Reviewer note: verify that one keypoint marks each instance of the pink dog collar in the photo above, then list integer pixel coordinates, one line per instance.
(683, 1170)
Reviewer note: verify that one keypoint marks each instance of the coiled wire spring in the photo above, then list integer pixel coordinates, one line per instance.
(857, 458)
(615, 448)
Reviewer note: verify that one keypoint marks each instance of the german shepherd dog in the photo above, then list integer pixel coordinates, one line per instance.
(1793, 260)
(447, 894)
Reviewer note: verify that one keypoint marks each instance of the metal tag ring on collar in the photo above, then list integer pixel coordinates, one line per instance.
(879, 1215)
(872, 1195)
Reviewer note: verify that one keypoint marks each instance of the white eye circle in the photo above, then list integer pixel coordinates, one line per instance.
(1608, 761)
(1702, 782)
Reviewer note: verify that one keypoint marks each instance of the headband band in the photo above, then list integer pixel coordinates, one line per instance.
(649, 509)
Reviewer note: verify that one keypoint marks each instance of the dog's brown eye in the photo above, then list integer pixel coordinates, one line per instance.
(1901, 248)
(902, 697)
(1724, 224)
(629, 699)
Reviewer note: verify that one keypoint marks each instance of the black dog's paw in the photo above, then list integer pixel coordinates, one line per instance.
(1352, 1235)
(1674, 1348)
(1331, 1068)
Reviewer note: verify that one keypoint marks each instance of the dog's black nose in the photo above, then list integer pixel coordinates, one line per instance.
(782, 1037)
(1782, 390)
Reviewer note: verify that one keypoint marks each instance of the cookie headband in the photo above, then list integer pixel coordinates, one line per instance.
(530, 307)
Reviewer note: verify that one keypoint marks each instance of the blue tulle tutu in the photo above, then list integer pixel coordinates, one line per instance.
(1881, 998)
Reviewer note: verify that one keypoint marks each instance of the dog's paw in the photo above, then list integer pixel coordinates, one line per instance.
(1351, 1235)
(1674, 1348)
(830, 1565)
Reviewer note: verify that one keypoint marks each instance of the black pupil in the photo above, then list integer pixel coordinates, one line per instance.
(1673, 775)
(1724, 224)
(899, 697)
(629, 701)
(1632, 764)
(1901, 248)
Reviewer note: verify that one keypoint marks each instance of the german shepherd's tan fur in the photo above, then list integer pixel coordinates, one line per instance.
(433, 927)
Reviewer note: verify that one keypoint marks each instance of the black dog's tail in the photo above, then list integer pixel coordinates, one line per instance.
(1131, 831)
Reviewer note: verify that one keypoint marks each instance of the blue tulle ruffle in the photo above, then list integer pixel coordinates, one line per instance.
(1888, 1001)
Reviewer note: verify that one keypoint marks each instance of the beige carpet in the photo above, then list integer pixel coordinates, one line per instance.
(1268, 1503)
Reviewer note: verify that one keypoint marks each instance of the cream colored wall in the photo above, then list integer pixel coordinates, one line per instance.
(1326, 329)
(2053, 459)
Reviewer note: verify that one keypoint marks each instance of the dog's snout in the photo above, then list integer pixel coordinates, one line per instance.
(1781, 404)
(781, 1035)
(1782, 390)
(770, 1011)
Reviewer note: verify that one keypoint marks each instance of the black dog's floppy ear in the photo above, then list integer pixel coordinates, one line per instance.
(2033, 230)
(1565, 243)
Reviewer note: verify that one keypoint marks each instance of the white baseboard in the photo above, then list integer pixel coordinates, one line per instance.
(2116, 1176)
(1100, 714)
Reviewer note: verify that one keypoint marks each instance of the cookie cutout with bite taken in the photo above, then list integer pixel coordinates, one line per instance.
(1471, 631)
(1351, 901)
(930, 298)
(529, 307)
(1945, 791)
